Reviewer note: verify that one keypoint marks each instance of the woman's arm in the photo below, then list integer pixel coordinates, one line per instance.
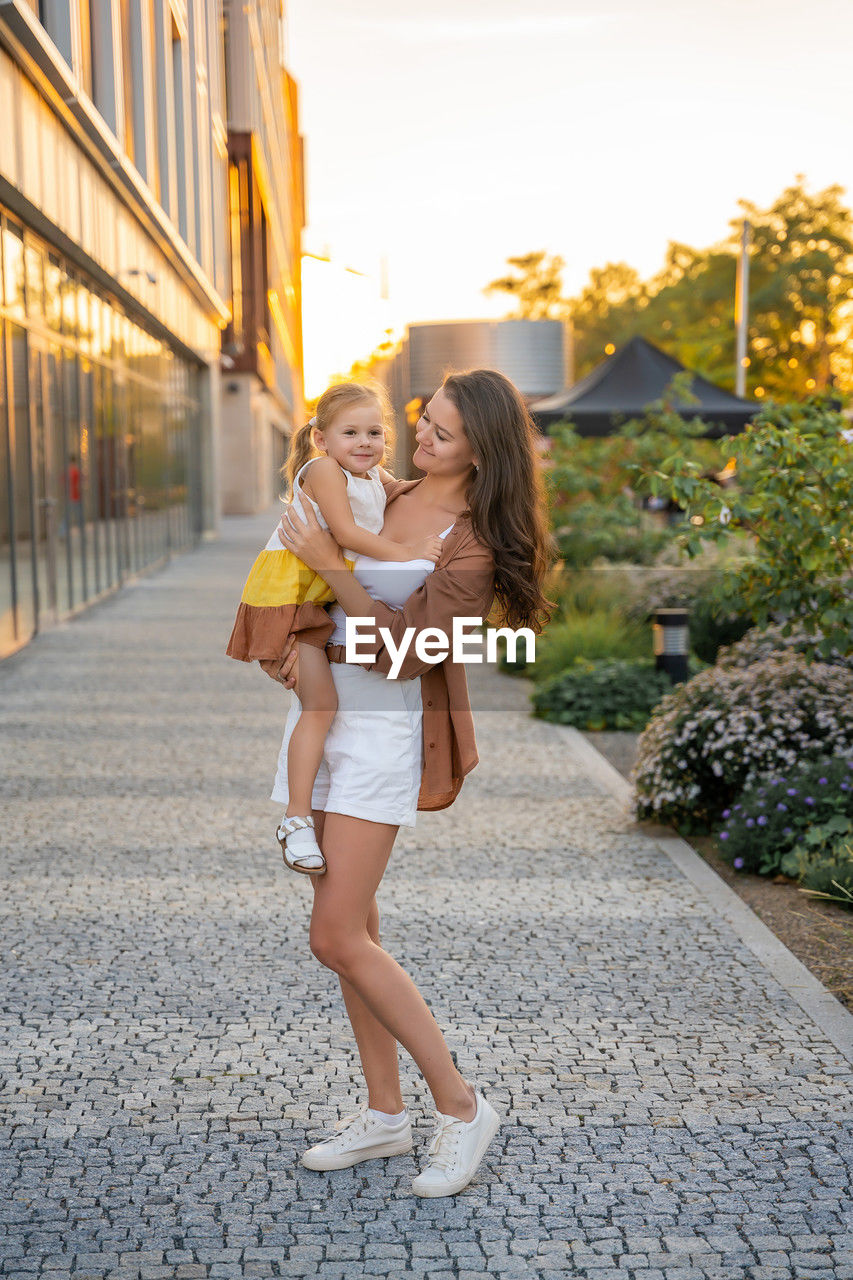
(464, 587)
(325, 483)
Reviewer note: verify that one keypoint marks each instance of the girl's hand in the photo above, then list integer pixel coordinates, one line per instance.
(307, 539)
(428, 548)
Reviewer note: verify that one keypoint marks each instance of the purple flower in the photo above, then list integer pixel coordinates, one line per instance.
(845, 786)
(738, 863)
(737, 806)
(750, 822)
(727, 813)
(762, 821)
(783, 808)
(792, 791)
(787, 832)
(809, 800)
(724, 835)
(821, 782)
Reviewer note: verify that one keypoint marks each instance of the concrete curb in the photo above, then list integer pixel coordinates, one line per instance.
(811, 995)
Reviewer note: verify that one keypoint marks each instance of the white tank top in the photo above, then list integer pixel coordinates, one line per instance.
(391, 581)
(365, 494)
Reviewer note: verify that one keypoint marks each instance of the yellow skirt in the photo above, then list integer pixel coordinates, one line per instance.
(282, 598)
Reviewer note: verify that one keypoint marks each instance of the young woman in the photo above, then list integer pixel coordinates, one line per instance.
(403, 744)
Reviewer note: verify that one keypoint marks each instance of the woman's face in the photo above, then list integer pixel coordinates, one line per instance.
(443, 447)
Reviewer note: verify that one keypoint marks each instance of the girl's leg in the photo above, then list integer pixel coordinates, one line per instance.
(387, 1004)
(315, 690)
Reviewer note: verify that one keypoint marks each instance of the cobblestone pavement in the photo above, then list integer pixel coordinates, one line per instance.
(169, 1046)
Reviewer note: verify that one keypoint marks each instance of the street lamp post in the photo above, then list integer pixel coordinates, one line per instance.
(742, 311)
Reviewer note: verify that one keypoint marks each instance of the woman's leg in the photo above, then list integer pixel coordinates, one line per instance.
(377, 1048)
(383, 1002)
(315, 690)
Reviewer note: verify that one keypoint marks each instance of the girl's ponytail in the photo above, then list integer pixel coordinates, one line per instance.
(301, 449)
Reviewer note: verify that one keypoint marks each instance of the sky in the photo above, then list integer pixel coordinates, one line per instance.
(444, 137)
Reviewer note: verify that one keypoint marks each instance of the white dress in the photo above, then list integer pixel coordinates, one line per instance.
(373, 755)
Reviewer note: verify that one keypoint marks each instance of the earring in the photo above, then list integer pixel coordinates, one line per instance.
(476, 468)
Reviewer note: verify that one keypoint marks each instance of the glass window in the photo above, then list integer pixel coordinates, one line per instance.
(13, 270)
(68, 305)
(7, 545)
(34, 260)
(92, 550)
(21, 484)
(74, 481)
(53, 293)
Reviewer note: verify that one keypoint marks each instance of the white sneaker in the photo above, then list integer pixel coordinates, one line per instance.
(456, 1150)
(299, 846)
(361, 1137)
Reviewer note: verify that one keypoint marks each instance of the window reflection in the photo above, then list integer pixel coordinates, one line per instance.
(97, 440)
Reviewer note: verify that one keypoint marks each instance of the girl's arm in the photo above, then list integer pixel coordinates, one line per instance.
(462, 588)
(325, 483)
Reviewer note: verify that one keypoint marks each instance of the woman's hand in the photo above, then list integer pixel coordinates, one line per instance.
(290, 667)
(286, 669)
(307, 539)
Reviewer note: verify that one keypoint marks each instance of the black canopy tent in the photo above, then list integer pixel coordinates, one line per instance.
(623, 386)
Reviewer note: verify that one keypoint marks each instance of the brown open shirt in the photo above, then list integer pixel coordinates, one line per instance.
(462, 584)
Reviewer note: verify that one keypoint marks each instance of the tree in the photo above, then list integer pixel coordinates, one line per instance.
(801, 278)
(537, 287)
(800, 313)
(606, 313)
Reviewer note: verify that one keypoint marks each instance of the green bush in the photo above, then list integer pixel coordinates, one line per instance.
(792, 499)
(716, 734)
(823, 863)
(775, 814)
(620, 694)
(599, 590)
(589, 636)
(618, 531)
(711, 623)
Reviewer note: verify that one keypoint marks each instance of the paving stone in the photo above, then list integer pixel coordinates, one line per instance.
(168, 1046)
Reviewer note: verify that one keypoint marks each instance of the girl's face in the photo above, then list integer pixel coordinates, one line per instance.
(443, 447)
(355, 437)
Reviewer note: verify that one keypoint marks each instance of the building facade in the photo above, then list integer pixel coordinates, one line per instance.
(113, 294)
(149, 240)
(262, 394)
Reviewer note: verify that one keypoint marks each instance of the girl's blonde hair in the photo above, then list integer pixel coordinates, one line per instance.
(337, 397)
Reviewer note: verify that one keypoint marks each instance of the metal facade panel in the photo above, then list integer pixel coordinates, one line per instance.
(529, 352)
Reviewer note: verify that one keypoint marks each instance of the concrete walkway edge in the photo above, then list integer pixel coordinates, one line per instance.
(811, 995)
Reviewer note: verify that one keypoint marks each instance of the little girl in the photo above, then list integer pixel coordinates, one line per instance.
(282, 597)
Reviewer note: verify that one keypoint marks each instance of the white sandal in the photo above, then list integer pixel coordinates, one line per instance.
(299, 847)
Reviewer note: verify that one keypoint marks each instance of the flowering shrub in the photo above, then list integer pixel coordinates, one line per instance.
(717, 733)
(777, 813)
(758, 644)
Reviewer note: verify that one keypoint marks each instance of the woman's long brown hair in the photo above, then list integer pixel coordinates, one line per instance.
(506, 497)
